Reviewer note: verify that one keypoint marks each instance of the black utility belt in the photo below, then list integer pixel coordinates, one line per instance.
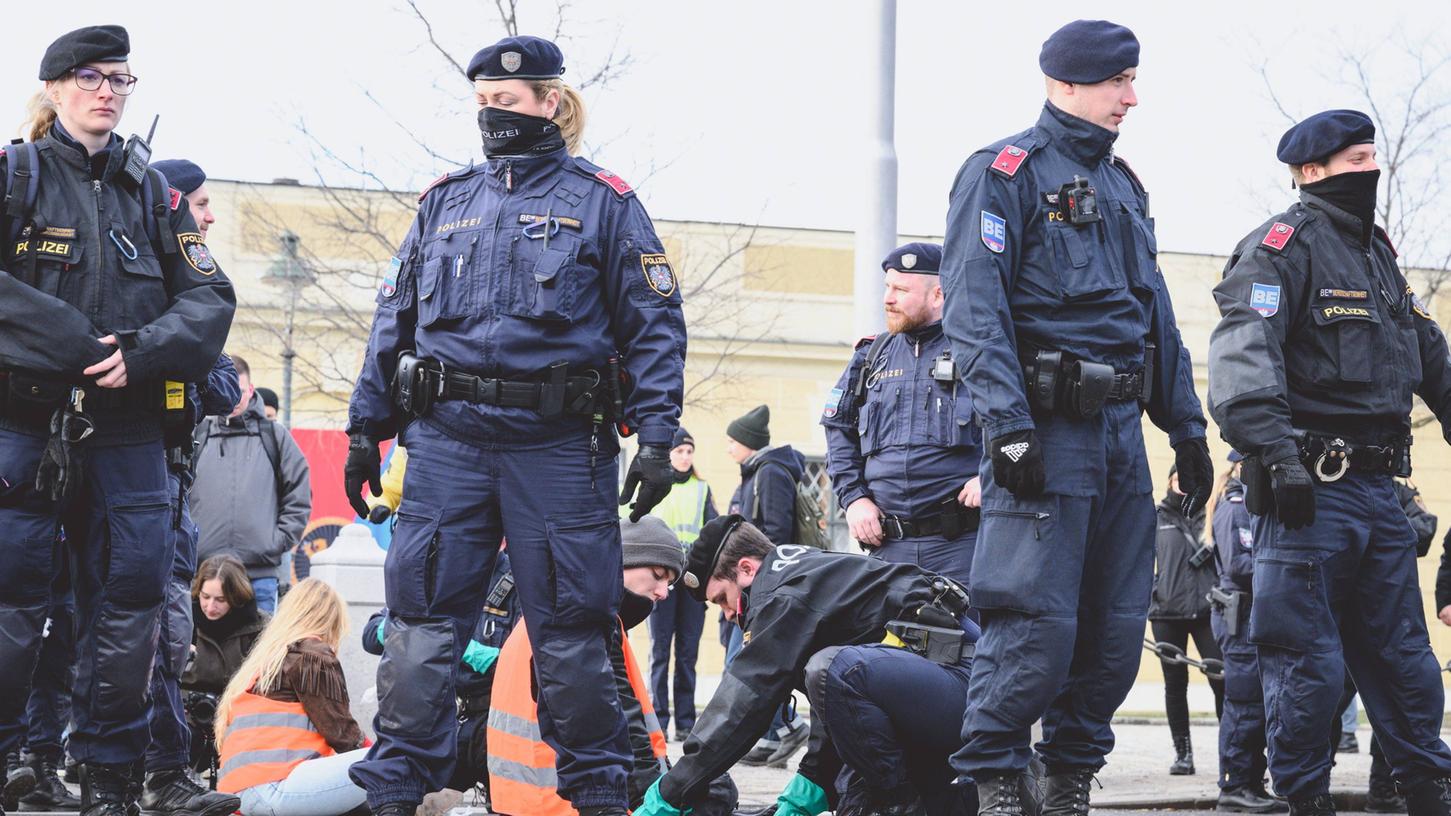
(31, 395)
(1058, 382)
(1329, 458)
(420, 382)
(950, 522)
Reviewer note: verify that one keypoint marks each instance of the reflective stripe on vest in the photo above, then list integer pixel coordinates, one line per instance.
(264, 740)
(683, 509)
(522, 775)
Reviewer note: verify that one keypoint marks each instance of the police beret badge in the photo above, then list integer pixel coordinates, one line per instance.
(658, 274)
(511, 60)
(194, 249)
(690, 581)
(909, 260)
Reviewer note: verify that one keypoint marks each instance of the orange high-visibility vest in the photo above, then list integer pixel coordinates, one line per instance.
(264, 740)
(522, 778)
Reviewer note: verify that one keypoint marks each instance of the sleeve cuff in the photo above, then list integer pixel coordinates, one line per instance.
(1193, 429)
(996, 429)
(655, 435)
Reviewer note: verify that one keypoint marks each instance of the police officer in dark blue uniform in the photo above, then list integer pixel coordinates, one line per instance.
(531, 308)
(1242, 725)
(109, 302)
(903, 450)
(1063, 335)
(1321, 345)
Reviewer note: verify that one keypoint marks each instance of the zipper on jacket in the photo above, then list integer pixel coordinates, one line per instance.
(101, 254)
(1037, 517)
(509, 181)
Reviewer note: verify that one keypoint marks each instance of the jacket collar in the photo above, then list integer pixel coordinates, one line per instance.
(1351, 225)
(1079, 138)
(517, 172)
(924, 334)
(101, 166)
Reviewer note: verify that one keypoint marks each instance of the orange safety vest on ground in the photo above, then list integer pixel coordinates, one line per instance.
(522, 779)
(264, 740)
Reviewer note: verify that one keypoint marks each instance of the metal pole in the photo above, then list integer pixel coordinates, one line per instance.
(876, 233)
(287, 355)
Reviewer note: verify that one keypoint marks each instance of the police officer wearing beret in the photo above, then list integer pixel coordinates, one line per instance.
(1321, 345)
(1063, 335)
(530, 311)
(886, 694)
(903, 450)
(109, 302)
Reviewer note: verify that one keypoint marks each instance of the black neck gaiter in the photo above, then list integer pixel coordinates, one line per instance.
(1352, 192)
(510, 133)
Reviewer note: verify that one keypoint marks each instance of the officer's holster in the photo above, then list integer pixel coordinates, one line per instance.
(411, 385)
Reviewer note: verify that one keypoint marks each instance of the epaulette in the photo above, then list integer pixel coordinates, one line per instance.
(620, 187)
(1381, 233)
(1282, 231)
(864, 342)
(176, 196)
(426, 190)
(1009, 159)
(447, 177)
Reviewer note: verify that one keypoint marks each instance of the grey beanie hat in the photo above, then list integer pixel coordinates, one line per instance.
(650, 542)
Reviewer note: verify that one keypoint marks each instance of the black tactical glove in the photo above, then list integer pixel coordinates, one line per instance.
(380, 513)
(1018, 463)
(1196, 474)
(363, 465)
(651, 472)
(62, 463)
(1294, 492)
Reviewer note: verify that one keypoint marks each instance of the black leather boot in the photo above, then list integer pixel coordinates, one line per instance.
(109, 790)
(1000, 795)
(1318, 805)
(1382, 797)
(1248, 800)
(172, 793)
(1430, 798)
(1066, 793)
(396, 809)
(1183, 757)
(19, 781)
(50, 794)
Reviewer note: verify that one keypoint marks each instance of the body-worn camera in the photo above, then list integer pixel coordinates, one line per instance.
(1079, 202)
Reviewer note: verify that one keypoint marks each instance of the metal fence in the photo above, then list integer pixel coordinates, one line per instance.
(820, 484)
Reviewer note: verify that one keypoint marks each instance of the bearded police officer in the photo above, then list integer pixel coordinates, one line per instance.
(817, 621)
(1311, 372)
(1063, 334)
(903, 448)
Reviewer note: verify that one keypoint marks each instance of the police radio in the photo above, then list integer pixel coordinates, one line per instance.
(136, 156)
(1079, 202)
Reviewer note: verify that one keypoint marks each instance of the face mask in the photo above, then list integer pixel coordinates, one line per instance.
(510, 133)
(1352, 192)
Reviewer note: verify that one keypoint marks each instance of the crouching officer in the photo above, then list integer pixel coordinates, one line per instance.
(89, 373)
(530, 311)
(1321, 344)
(898, 403)
(804, 611)
(1063, 335)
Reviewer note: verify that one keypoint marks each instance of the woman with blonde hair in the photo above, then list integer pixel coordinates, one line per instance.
(284, 730)
(529, 292)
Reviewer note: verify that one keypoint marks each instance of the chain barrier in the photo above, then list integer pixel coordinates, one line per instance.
(1173, 655)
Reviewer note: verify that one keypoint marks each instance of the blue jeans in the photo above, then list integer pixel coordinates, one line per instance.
(317, 787)
(679, 619)
(266, 591)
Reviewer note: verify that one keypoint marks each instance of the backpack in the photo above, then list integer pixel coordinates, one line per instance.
(808, 522)
(267, 430)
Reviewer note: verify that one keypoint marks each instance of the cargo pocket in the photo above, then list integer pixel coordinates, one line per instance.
(1291, 608)
(416, 678)
(138, 525)
(584, 555)
(26, 578)
(1083, 272)
(542, 285)
(1021, 558)
(410, 570)
(1354, 333)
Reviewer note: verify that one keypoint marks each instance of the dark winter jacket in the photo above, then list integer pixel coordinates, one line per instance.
(1234, 542)
(767, 495)
(221, 646)
(1180, 588)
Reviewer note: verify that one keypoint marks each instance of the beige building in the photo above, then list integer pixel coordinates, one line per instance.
(769, 310)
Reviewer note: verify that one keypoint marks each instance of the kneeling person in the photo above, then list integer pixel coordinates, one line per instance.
(809, 619)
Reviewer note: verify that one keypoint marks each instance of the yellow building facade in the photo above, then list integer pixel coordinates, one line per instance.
(769, 310)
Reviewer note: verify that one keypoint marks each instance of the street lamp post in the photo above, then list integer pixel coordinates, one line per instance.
(290, 273)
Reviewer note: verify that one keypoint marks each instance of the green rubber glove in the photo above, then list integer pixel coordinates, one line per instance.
(382, 624)
(480, 657)
(801, 797)
(655, 804)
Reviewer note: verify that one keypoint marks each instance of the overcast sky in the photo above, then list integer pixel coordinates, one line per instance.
(748, 111)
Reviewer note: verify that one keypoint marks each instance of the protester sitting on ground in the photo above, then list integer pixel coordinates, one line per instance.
(284, 729)
(226, 624)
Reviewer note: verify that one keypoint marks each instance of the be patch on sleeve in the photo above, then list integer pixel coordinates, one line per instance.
(659, 275)
(194, 249)
(994, 232)
(833, 402)
(1265, 299)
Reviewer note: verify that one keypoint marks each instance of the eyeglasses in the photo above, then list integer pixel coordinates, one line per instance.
(89, 79)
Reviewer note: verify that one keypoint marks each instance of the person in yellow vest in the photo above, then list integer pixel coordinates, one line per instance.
(284, 730)
(522, 779)
(679, 619)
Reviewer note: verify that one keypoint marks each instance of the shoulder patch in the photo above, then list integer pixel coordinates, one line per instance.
(176, 196)
(1265, 299)
(614, 182)
(1417, 305)
(1009, 159)
(833, 403)
(1278, 237)
(864, 342)
(194, 249)
(426, 190)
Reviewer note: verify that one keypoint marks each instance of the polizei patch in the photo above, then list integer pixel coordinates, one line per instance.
(194, 248)
(658, 274)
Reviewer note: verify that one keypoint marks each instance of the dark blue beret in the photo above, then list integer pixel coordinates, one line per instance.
(105, 43)
(923, 259)
(1089, 51)
(181, 174)
(518, 58)
(1323, 135)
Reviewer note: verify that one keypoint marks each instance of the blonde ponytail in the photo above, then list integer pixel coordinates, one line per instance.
(571, 114)
(40, 114)
(1217, 494)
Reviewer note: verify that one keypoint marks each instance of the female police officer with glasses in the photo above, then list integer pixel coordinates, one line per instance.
(107, 294)
(530, 309)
